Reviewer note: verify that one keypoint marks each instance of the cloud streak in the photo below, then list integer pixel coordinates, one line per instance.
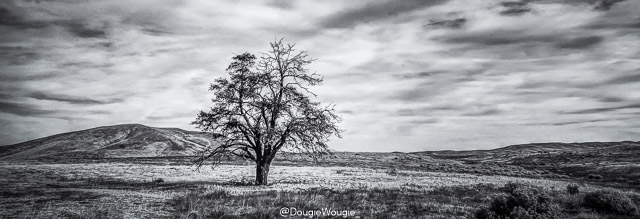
(23, 110)
(374, 11)
(70, 99)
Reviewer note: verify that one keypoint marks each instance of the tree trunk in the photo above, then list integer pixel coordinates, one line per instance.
(262, 173)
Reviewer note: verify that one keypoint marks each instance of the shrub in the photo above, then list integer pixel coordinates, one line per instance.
(609, 201)
(510, 187)
(392, 171)
(521, 202)
(595, 176)
(158, 180)
(573, 189)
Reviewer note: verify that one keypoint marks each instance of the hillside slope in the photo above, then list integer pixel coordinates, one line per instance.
(598, 162)
(128, 140)
(555, 150)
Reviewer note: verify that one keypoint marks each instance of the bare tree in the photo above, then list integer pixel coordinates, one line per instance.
(264, 107)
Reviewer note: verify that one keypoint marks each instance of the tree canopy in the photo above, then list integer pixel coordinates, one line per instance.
(265, 106)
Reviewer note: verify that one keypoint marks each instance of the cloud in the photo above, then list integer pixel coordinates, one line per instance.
(580, 42)
(606, 109)
(11, 19)
(433, 75)
(581, 122)
(502, 37)
(621, 18)
(612, 99)
(22, 109)
(70, 99)
(83, 31)
(17, 55)
(284, 4)
(514, 8)
(606, 4)
(374, 11)
(454, 23)
(625, 79)
(425, 121)
(17, 21)
(485, 112)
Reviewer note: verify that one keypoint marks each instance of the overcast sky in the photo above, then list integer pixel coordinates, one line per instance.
(406, 75)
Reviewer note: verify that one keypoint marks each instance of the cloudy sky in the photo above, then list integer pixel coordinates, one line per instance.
(406, 75)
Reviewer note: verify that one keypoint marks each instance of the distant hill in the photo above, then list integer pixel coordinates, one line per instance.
(569, 147)
(127, 140)
(554, 150)
(135, 140)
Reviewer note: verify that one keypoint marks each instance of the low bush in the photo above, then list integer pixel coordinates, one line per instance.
(609, 201)
(595, 176)
(521, 202)
(392, 172)
(573, 189)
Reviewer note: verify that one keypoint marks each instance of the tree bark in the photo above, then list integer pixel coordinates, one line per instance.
(262, 173)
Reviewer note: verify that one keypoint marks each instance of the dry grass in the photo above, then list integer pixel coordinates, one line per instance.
(132, 190)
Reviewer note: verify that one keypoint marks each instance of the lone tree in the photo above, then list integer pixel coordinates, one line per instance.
(264, 107)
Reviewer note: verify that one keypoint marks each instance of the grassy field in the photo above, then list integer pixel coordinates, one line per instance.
(366, 185)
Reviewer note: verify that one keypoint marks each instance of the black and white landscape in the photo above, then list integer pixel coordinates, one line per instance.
(320, 109)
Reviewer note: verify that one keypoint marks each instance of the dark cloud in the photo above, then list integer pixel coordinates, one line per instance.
(414, 95)
(424, 111)
(106, 44)
(375, 11)
(350, 112)
(514, 8)
(574, 122)
(18, 55)
(77, 28)
(580, 42)
(614, 24)
(635, 24)
(22, 109)
(416, 75)
(10, 19)
(8, 77)
(156, 31)
(611, 99)
(99, 112)
(425, 121)
(485, 112)
(453, 24)
(284, 4)
(532, 85)
(634, 78)
(605, 109)
(70, 99)
(501, 37)
(85, 65)
(435, 82)
(596, 4)
(582, 122)
(605, 5)
(528, 41)
(81, 30)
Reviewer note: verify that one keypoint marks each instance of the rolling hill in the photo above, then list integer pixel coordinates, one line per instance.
(135, 140)
(127, 140)
(553, 150)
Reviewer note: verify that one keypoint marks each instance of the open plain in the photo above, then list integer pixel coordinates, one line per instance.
(371, 185)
